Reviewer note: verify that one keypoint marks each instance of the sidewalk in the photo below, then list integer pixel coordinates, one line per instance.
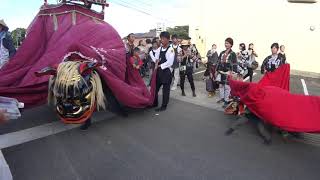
(202, 98)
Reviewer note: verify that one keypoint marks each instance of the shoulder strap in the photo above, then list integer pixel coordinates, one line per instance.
(167, 49)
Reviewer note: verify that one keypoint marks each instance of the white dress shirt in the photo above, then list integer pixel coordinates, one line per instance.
(169, 57)
(153, 57)
(178, 48)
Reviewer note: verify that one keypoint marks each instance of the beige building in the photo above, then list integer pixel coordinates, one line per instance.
(261, 22)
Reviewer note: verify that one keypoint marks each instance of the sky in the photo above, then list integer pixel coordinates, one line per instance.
(19, 13)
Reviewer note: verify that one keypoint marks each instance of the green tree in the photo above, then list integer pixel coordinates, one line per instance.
(181, 31)
(18, 36)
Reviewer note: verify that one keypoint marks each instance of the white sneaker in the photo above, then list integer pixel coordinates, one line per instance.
(173, 88)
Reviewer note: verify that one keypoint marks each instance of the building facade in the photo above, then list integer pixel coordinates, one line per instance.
(297, 26)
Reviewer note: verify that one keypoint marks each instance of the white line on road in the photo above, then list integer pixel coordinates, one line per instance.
(5, 172)
(304, 85)
(23, 136)
(199, 72)
(246, 79)
(38, 132)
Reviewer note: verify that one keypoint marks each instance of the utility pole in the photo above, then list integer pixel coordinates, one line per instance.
(160, 27)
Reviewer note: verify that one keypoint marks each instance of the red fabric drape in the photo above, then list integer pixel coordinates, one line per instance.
(271, 101)
(92, 38)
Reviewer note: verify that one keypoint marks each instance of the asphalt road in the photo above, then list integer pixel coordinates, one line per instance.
(186, 142)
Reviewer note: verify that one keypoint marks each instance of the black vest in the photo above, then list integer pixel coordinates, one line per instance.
(162, 57)
(153, 52)
(164, 75)
(175, 62)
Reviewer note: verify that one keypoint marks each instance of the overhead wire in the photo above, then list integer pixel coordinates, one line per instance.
(138, 9)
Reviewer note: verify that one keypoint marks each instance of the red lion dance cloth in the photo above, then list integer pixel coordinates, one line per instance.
(61, 30)
(272, 102)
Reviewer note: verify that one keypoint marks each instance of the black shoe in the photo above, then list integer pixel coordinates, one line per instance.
(194, 94)
(86, 125)
(226, 104)
(229, 132)
(161, 109)
(154, 106)
(220, 101)
(124, 114)
(183, 93)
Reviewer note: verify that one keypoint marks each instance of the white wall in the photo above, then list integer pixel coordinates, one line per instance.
(262, 23)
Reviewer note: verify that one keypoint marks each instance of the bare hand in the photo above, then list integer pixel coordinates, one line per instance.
(157, 64)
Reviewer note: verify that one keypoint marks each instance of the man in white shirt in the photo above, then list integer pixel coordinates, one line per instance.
(153, 58)
(176, 62)
(165, 55)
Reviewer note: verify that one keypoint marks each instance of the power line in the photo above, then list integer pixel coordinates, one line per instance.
(130, 6)
(146, 9)
(143, 2)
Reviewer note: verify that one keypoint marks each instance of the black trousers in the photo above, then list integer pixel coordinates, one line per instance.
(190, 79)
(164, 81)
(249, 74)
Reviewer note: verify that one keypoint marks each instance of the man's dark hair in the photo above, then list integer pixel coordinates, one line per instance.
(230, 40)
(276, 45)
(243, 46)
(174, 36)
(251, 44)
(129, 35)
(148, 41)
(140, 43)
(165, 34)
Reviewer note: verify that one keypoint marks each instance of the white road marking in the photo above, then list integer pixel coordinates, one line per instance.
(199, 72)
(38, 132)
(246, 79)
(5, 173)
(304, 85)
(26, 135)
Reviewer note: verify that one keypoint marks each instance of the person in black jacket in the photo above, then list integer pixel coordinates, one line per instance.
(227, 64)
(7, 49)
(272, 62)
(186, 68)
(251, 61)
(210, 72)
